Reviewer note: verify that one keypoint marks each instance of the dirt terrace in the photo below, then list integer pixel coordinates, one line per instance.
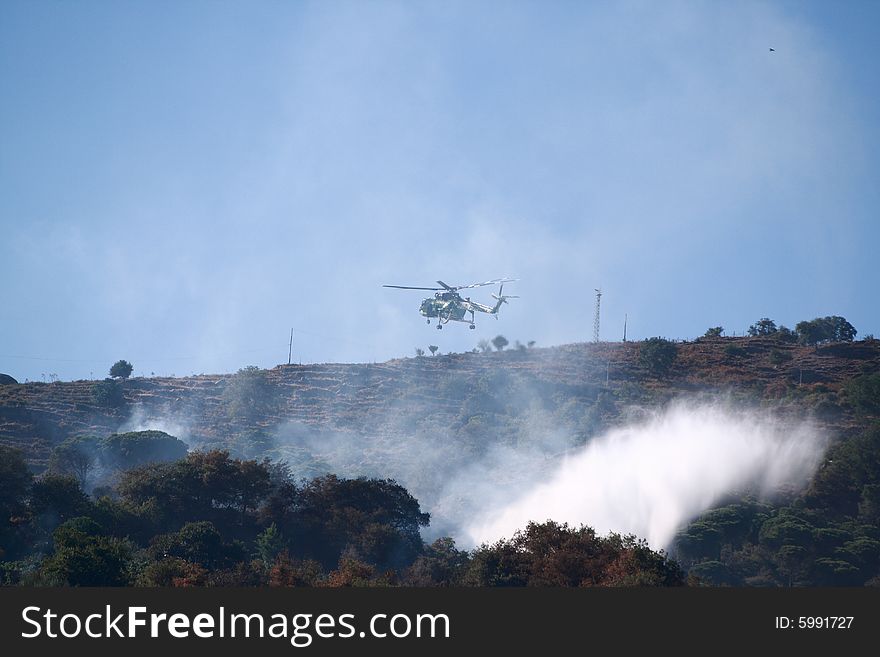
(353, 397)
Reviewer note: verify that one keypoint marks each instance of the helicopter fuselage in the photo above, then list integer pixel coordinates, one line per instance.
(444, 306)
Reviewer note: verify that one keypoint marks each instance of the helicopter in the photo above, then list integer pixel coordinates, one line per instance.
(447, 305)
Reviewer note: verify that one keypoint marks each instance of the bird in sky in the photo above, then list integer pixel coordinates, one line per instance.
(772, 49)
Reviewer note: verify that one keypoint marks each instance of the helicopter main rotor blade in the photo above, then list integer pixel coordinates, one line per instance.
(409, 287)
(495, 281)
(453, 288)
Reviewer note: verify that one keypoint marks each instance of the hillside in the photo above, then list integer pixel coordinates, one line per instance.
(344, 473)
(439, 393)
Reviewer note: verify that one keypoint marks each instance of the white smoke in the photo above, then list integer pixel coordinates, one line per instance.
(161, 419)
(649, 479)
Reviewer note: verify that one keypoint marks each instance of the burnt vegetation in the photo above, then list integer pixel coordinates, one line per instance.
(83, 502)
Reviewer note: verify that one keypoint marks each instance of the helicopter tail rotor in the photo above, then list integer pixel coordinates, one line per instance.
(501, 298)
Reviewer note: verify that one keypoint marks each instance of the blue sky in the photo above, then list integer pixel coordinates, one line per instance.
(183, 182)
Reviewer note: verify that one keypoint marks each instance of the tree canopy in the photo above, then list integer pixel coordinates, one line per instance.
(825, 329)
(764, 326)
(500, 342)
(657, 354)
(121, 369)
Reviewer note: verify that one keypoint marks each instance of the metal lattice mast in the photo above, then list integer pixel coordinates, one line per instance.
(596, 318)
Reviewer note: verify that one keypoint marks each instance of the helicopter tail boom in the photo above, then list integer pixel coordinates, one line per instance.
(500, 299)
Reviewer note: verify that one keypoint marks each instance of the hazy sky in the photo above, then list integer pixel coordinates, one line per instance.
(183, 182)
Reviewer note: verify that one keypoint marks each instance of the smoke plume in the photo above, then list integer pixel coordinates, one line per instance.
(650, 478)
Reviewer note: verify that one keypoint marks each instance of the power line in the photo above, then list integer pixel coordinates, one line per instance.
(134, 357)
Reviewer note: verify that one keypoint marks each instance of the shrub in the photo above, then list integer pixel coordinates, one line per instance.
(778, 357)
(108, 394)
(657, 354)
(249, 394)
(863, 393)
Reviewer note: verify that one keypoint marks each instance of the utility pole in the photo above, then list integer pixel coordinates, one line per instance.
(596, 318)
(624, 327)
(290, 348)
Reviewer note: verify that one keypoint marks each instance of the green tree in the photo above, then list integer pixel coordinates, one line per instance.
(713, 573)
(107, 394)
(700, 541)
(122, 451)
(441, 564)
(433, 349)
(869, 505)
(121, 369)
(850, 465)
(792, 562)
(15, 484)
(58, 498)
(763, 327)
(269, 544)
(375, 519)
(500, 342)
(657, 354)
(203, 486)
(419, 352)
(841, 330)
(825, 329)
(197, 542)
(714, 332)
(863, 393)
(785, 334)
(85, 556)
(786, 528)
(835, 572)
(249, 394)
(76, 456)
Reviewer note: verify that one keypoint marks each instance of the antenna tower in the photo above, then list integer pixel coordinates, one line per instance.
(596, 318)
(290, 348)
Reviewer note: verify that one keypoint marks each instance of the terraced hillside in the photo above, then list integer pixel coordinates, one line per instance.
(455, 393)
